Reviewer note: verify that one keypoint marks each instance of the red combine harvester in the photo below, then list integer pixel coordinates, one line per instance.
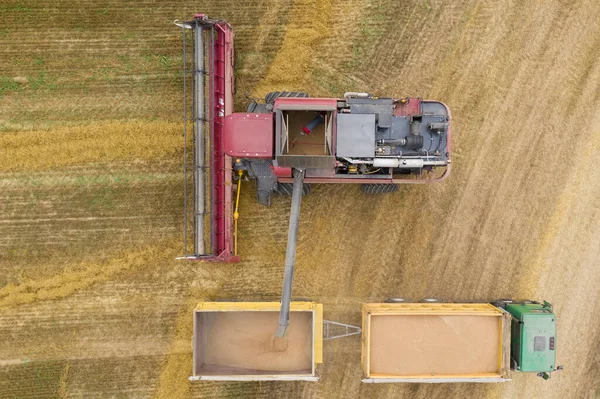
(291, 141)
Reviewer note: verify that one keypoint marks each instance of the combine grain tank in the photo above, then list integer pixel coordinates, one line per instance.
(233, 341)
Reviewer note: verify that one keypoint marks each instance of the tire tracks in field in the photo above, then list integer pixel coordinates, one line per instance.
(70, 281)
(308, 24)
(173, 380)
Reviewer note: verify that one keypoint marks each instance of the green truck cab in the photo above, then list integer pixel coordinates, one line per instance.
(533, 337)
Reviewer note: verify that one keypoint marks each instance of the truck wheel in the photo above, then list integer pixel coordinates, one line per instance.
(378, 188)
(288, 188)
(501, 303)
(396, 300)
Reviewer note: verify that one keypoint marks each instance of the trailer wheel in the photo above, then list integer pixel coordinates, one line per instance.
(378, 188)
(288, 188)
(396, 300)
(301, 300)
(228, 300)
(431, 300)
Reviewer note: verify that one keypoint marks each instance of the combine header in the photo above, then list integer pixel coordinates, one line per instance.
(212, 101)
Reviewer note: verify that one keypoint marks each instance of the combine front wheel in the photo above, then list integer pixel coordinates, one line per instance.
(267, 106)
(379, 188)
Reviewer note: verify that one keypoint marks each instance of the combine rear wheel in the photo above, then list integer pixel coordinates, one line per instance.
(378, 188)
(274, 95)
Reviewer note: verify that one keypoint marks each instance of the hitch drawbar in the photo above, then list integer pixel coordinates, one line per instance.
(290, 254)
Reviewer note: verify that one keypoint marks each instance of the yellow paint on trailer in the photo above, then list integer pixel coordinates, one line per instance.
(439, 376)
(255, 306)
(318, 333)
(215, 358)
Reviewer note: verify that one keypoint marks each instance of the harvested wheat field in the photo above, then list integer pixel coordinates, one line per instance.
(92, 300)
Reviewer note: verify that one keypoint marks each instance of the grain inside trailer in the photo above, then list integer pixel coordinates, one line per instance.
(234, 341)
(435, 342)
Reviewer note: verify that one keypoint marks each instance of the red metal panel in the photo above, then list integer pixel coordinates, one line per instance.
(249, 135)
(408, 107)
(282, 171)
(310, 103)
(222, 105)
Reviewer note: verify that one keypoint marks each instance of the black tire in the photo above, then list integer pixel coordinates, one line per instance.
(501, 303)
(288, 188)
(378, 188)
(260, 108)
(274, 95)
(228, 300)
(431, 300)
(257, 108)
(396, 300)
(301, 300)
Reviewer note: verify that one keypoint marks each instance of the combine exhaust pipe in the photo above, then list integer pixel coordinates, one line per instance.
(290, 255)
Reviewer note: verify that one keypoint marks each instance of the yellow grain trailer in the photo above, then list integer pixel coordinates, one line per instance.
(233, 341)
(435, 342)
